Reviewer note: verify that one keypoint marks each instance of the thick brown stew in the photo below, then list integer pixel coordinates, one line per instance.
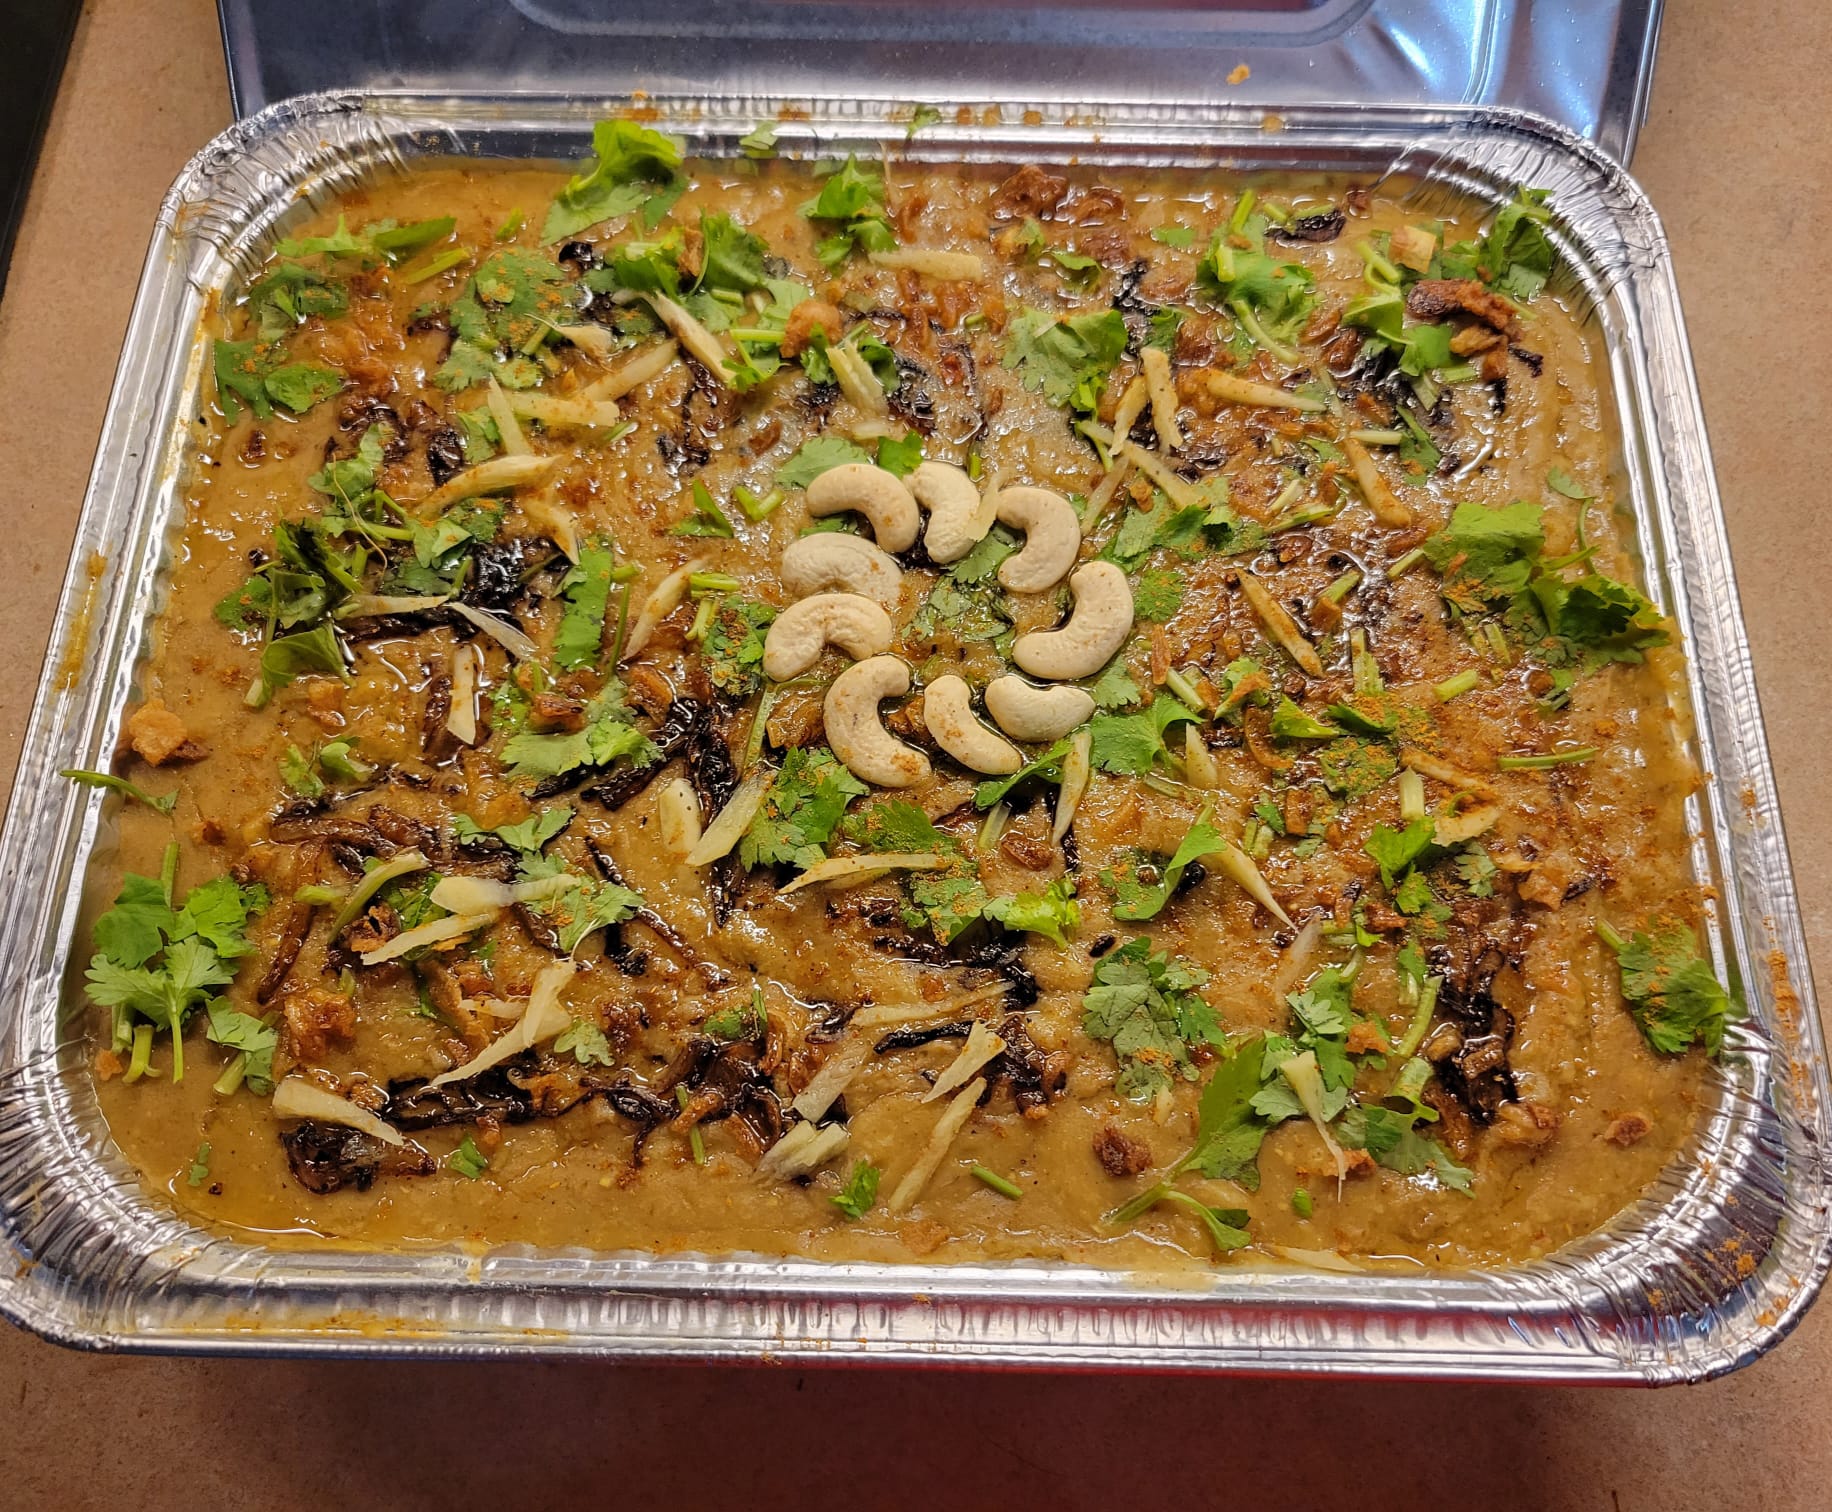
(1114, 702)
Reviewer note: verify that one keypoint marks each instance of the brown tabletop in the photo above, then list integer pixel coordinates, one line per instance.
(1738, 157)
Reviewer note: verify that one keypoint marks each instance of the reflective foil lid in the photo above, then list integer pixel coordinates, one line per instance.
(1583, 63)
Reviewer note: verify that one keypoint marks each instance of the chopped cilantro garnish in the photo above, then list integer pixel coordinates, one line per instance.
(467, 1160)
(587, 1043)
(163, 963)
(851, 202)
(529, 837)
(860, 1193)
(636, 167)
(1670, 989)
(1067, 359)
(200, 1166)
(1289, 722)
(800, 812)
(732, 651)
(707, 519)
(1487, 554)
(1174, 236)
(1053, 913)
(1131, 745)
(1147, 1006)
(816, 457)
(587, 592)
(1135, 898)
(606, 737)
(1395, 850)
(1517, 254)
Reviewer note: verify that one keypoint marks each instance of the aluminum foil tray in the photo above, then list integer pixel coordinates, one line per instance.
(1710, 1268)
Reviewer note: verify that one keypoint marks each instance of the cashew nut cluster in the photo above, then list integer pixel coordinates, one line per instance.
(833, 561)
(1052, 538)
(807, 627)
(856, 733)
(1096, 629)
(846, 588)
(878, 495)
(1027, 712)
(957, 517)
(947, 709)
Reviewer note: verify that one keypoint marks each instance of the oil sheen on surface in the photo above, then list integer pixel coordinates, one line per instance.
(1595, 1114)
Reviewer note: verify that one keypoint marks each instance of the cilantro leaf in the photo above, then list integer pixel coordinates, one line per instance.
(1601, 615)
(631, 161)
(852, 202)
(467, 1160)
(731, 258)
(1517, 253)
(1228, 1132)
(707, 518)
(606, 737)
(801, 810)
(1131, 744)
(1157, 595)
(732, 650)
(1067, 359)
(300, 385)
(1487, 554)
(530, 836)
(1289, 722)
(900, 457)
(587, 592)
(1675, 999)
(1395, 850)
(1115, 687)
(1053, 913)
(816, 457)
(1044, 768)
(1147, 1006)
(587, 1043)
(1137, 899)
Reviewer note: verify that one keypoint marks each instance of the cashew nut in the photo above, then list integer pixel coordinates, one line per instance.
(835, 561)
(1099, 626)
(947, 709)
(878, 495)
(807, 627)
(957, 519)
(1052, 538)
(1026, 712)
(856, 734)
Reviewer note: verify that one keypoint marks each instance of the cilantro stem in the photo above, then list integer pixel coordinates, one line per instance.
(163, 802)
(141, 1062)
(232, 1075)
(1610, 935)
(1455, 687)
(1411, 795)
(753, 743)
(174, 1018)
(998, 1183)
(1379, 271)
(1250, 324)
(1421, 1020)
(1148, 1199)
(1311, 514)
(372, 883)
(623, 624)
(702, 619)
(701, 583)
(510, 226)
(758, 508)
(1183, 688)
(1377, 437)
(168, 874)
(1402, 565)
(1342, 587)
(1243, 207)
(1368, 680)
(433, 266)
(1540, 763)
